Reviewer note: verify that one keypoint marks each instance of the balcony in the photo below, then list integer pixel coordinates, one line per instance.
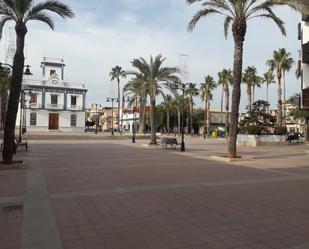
(305, 53)
(74, 108)
(305, 98)
(54, 107)
(35, 106)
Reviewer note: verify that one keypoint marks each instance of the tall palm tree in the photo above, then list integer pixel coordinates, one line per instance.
(115, 74)
(250, 78)
(168, 103)
(191, 91)
(4, 87)
(279, 64)
(138, 88)
(268, 79)
(237, 13)
(287, 66)
(21, 12)
(225, 79)
(155, 75)
(256, 84)
(206, 93)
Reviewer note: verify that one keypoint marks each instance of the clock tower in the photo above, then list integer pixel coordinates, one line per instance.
(52, 69)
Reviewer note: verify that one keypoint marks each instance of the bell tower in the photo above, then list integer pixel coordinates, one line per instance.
(52, 67)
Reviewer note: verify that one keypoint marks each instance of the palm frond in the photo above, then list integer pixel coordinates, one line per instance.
(227, 23)
(3, 21)
(276, 19)
(199, 15)
(44, 18)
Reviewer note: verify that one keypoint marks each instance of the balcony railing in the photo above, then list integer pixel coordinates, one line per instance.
(35, 106)
(74, 108)
(305, 53)
(55, 106)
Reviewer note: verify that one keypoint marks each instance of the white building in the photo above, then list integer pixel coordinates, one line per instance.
(303, 65)
(54, 104)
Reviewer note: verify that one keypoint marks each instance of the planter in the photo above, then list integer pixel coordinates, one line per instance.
(260, 140)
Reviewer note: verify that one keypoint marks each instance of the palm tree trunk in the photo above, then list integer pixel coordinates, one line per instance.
(249, 95)
(168, 121)
(279, 100)
(253, 94)
(307, 130)
(153, 120)
(227, 110)
(222, 94)
(267, 95)
(118, 113)
(239, 37)
(3, 106)
(191, 116)
(205, 120)
(140, 119)
(15, 89)
(284, 99)
(208, 117)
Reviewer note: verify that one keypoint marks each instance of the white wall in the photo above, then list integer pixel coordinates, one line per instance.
(47, 72)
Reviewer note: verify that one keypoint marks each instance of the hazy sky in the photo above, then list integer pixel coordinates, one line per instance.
(106, 33)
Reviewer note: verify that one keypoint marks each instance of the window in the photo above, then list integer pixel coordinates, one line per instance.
(73, 100)
(52, 72)
(34, 98)
(73, 120)
(54, 99)
(33, 119)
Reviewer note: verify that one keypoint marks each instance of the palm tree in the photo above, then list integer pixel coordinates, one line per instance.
(268, 79)
(250, 78)
(168, 103)
(279, 64)
(257, 83)
(4, 87)
(155, 75)
(206, 93)
(115, 74)
(21, 12)
(225, 79)
(138, 88)
(287, 66)
(237, 13)
(191, 92)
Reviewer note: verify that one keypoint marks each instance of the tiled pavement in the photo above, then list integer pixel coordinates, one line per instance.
(111, 195)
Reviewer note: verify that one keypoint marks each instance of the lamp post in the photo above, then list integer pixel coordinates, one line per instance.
(96, 116)
(112, 100)
(182, 87)
(23, 123)
(133, 100)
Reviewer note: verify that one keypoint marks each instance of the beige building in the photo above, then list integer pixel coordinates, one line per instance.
(105, 115)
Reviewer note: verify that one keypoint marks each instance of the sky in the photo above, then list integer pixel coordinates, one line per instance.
(107, 33)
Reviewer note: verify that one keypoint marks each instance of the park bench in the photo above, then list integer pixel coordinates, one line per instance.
(292, 137)
(16, 144)
(167, 141)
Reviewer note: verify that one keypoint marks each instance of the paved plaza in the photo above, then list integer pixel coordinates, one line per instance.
(115, 195)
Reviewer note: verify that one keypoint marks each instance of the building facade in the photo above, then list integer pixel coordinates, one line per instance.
(303, 64)
(52, 104)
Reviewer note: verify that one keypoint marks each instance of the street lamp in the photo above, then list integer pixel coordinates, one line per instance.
(27, 71)
(182, 87)
(97, 116)
(22, 122)
(112, 100)
(133, 100)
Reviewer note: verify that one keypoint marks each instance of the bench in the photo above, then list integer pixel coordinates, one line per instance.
(16, 144)
(167, 141)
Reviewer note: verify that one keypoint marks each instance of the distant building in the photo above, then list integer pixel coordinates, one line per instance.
(106, 117)
(54, 104)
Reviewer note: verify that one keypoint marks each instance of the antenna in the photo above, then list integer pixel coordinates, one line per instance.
(183, 66)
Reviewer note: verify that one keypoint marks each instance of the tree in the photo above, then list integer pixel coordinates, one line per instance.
(191, 91)
(237, 13)
(279, 63)
(206, 93)
(21, 12)
(138, 88)
(269, 78)
(226, 79)
(168, 103)
(155, 75)
(4, 87)
(115, 74)
(287, 66)
(251, 79)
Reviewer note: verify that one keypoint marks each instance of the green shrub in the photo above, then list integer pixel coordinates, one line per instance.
(281, 130)
(254, 130)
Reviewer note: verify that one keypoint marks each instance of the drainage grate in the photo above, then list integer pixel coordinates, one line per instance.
(13, 208)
